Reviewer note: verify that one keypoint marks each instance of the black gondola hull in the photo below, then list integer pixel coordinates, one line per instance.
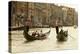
(62, 37)
(31, 38)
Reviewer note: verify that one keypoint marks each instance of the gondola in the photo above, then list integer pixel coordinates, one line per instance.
(39, 37)
(62, 36)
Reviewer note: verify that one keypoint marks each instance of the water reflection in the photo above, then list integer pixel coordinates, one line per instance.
(59, 44)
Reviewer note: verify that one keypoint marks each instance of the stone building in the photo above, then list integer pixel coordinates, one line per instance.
(42, 14)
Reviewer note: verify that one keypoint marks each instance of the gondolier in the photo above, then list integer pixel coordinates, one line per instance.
(57, 27)
(27, 24)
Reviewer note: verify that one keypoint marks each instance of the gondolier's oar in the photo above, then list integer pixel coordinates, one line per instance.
(71, 36)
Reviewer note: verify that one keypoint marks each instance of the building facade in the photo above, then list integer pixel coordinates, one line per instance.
(42, 14)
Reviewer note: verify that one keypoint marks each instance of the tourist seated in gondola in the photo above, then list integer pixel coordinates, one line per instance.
(66, 33)
(61, 32)
(41, 34)
(35, 34)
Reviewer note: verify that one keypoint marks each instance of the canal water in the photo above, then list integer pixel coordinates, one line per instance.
(18, 43)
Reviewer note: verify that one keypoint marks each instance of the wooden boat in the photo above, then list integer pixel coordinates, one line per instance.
(62, 36)
(38, 37)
